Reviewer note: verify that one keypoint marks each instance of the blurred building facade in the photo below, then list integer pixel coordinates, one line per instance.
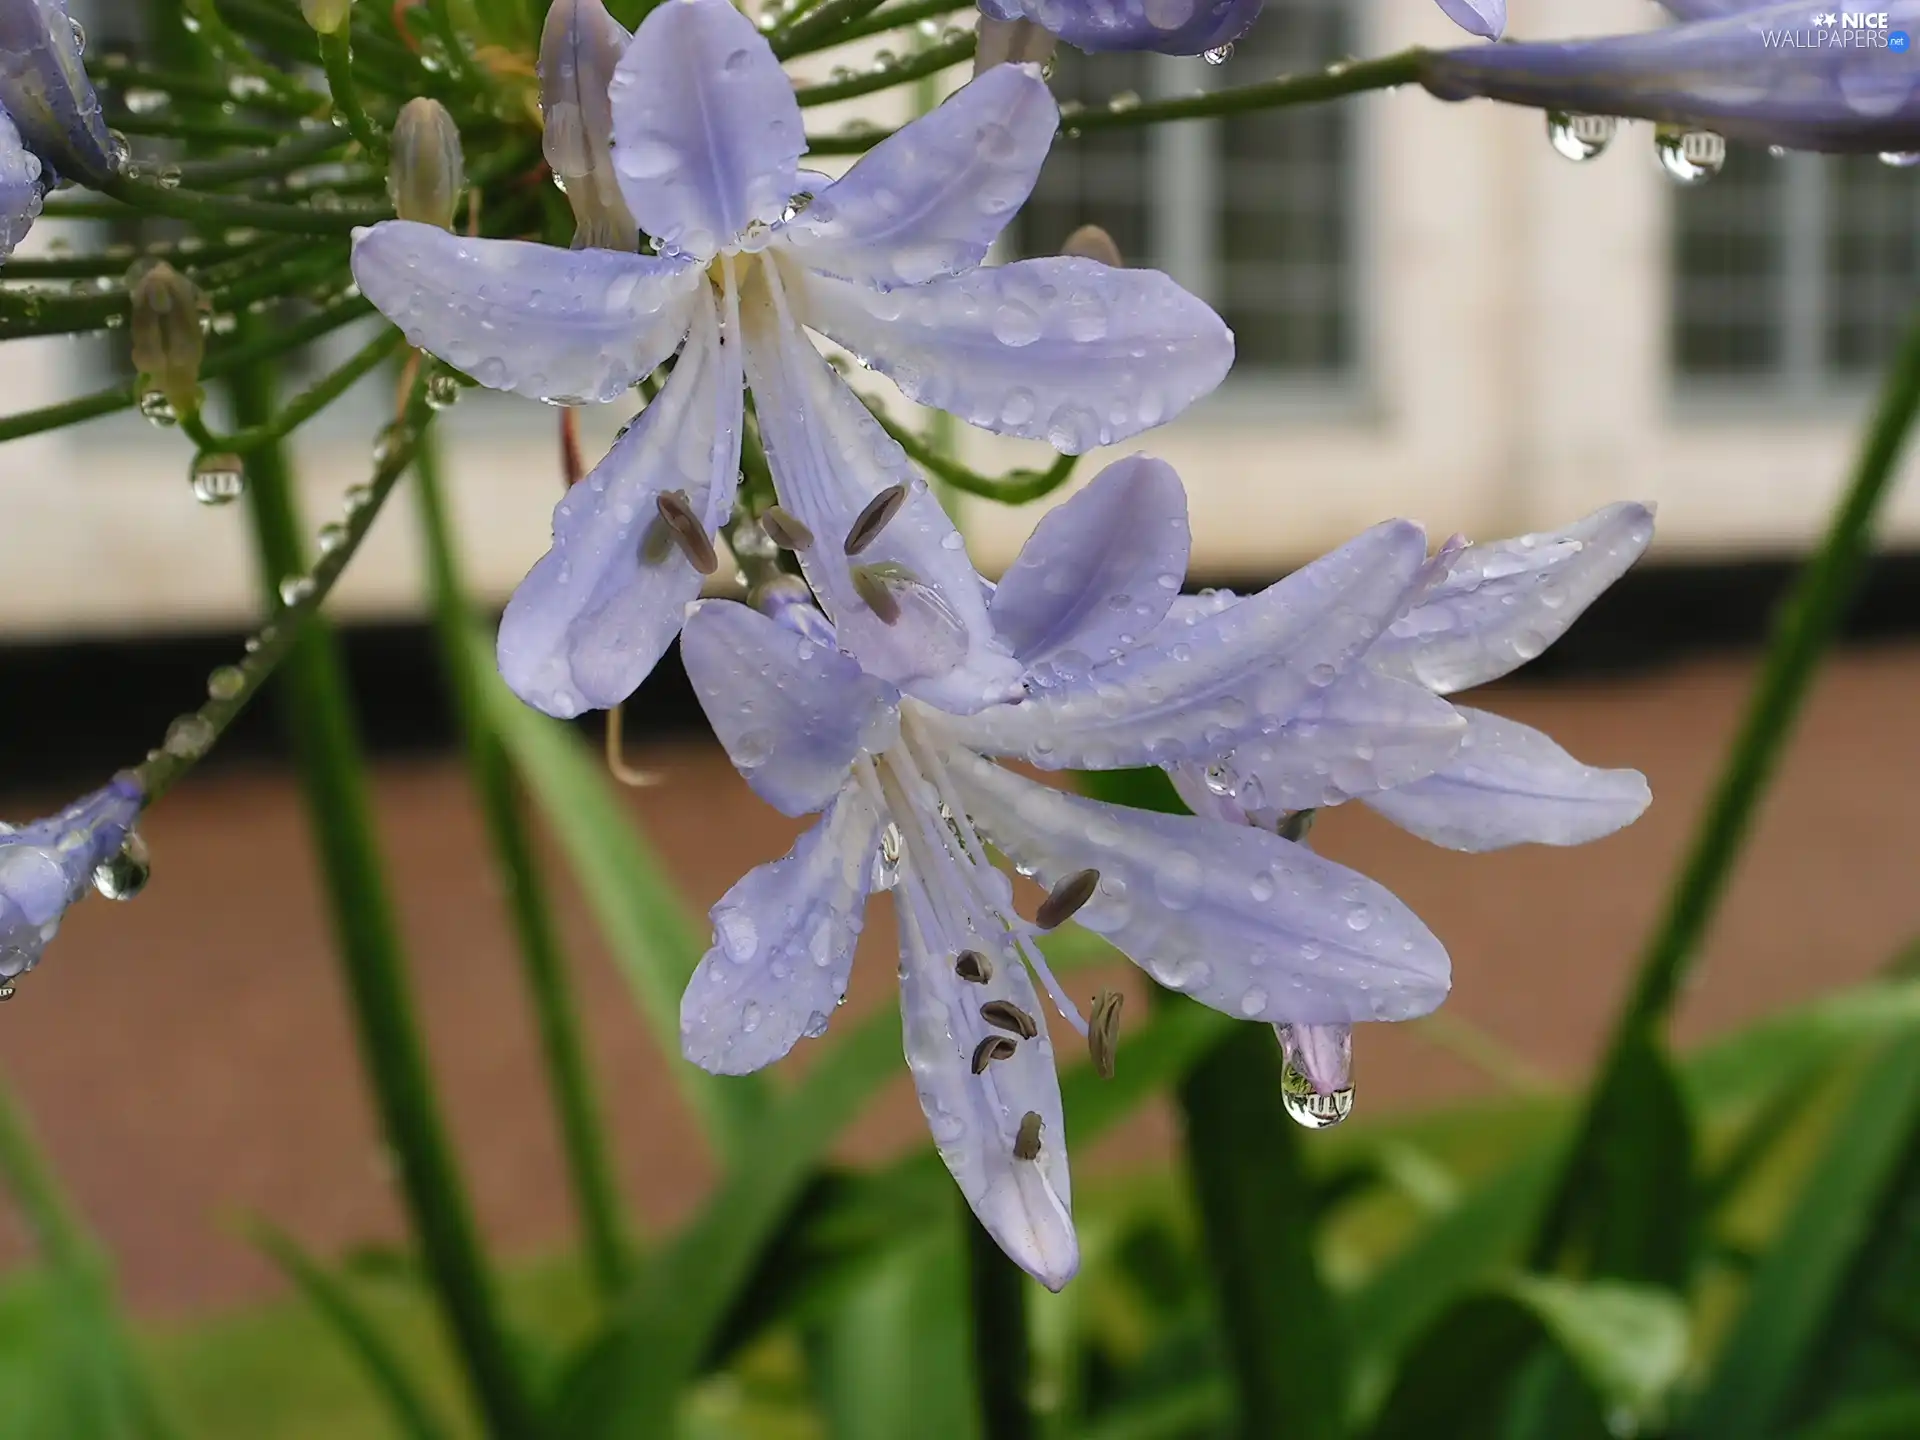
(1437, 316)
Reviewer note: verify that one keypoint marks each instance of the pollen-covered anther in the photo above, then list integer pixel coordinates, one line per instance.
(874, 585)
(785, 529)
(994, 1047)
(1103, 1031)
(1005, 1015)
(973, 967)
(873, 519)
(684, 529)
(1066, 898)
(1026, 1142)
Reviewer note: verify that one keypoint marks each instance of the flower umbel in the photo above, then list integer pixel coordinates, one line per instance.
(47, 865)
(884, 261)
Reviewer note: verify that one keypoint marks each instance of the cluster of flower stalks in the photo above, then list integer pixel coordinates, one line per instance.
(554, 205)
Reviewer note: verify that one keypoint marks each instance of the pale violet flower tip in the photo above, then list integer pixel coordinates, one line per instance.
(792, 713)
(1485, 18)
(1099, 572)
(1766, 75)
(562, 325)
(1173, 27)
(45, 89)
(707, 134)
(1321, 1053)
(47, 865)
(1507, 785)
(783, 941)
(21, 187)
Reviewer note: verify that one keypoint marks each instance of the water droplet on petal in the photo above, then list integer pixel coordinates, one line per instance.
(123, 874)
(1219, 55)
(1580, 137)
(1690, 157)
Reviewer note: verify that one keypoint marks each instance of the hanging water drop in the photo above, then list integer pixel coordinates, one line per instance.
(188, 737)
(1900, 159)
(1316, 1075)
(1580, 137)
(1690, 157)
(226, 683)
(1219, 55)
(331, 537)
(79, 36)
(142, 101)
(124, 874)
(217, 479)
(295, 588)
(1124, 101)
(158, 408)
(443, 390)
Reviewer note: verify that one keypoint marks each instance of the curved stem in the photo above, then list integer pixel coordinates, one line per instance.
(288, 155)
(1346, 77)
(928, 62)
(891, 18)
(336, 55)
(1016, 487)
(819, 27)
(311, 401)
(220, 210)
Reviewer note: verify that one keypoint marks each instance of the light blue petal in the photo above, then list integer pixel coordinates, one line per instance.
(20, 187)
(1510, 785)
(1501, 604)
(1227, 678)
(1485, 18)
(1250, 924)
(706, 129)
(47, 865)
(792, 714)
(1173, 27)
(1364, 733)
(930, 198)
(593, 616)
(1099, 572)
(563, 325)
(44, 87)
(580, 44)
(1731, 75)
(1057, 349)
(783, 941)
(1026, 1205)
(829, 458)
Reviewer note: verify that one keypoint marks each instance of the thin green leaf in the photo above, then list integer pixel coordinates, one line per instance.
(629, 1380)
(336, 1305)
(1885, 1417)
(638, 907)
(1256, 1203)
(1635, 1213)
(1629, 1342)
(1814, 1270)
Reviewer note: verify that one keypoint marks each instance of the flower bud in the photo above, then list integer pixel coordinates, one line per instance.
(1090, 242)
(1010, 42)
(168, 342)
(327, 16)
(578, 49)
(426, 174)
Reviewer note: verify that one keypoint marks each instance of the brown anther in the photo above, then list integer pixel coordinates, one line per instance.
(685, 530)
(870, 584)
(784, 528)
(1026, 1144)
(994, 1047)
(1005, 1015)
(973, 967)
(872, 520)
(1103, 1031)
(1066, 898)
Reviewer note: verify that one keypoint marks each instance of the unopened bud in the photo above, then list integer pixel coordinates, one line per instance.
(167, 340)
(1010, 42)
(426, 173)
(579, 47)
(327, 16)
(1090, 242)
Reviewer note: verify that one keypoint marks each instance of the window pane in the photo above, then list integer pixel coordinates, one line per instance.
(1287, 235)
(1871, 260)
(1100, 179)
(1727, 269)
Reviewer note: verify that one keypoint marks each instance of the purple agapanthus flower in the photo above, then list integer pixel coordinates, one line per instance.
(47, 865)
(754, 253)
(1185, 27)
(50, 121)
(1766, 74)
(1241, 919)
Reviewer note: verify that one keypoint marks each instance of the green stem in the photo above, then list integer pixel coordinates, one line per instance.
(1002, 1357)
(222, 210)
(320, 721)
(286, 156)
(930, 61)
(296, 102)
(1345, 77)
(122, 397)
(1016, 487)
(596, 1194)
(1804, 627)
(311, 401)
(819, 27)
(336, 56)
(180, 127)
(892, 18)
